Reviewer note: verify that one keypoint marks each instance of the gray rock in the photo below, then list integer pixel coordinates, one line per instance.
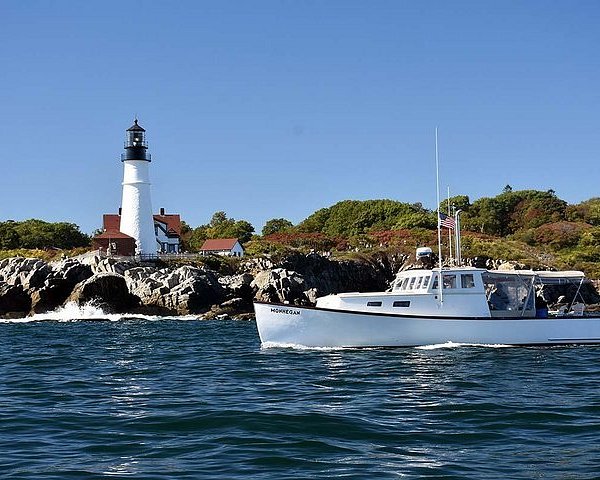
(13, 299)
(184, 290)
(30, 273)
(238, 286)
(235, 304)
(107, 290)
(112, 265)
(279, 285)
(59, 285)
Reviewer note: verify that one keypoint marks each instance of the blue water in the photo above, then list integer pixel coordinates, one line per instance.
(165, 399)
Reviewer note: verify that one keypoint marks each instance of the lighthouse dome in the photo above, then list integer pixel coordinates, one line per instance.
(136, 147)
(135, 127)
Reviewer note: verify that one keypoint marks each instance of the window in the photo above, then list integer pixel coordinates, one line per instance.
(467, 280)
(425, 283)
(404, 282)
(412, 282)
(449, 280)
(434, 285)
(402, 303)
(418, 283)
(373, 304)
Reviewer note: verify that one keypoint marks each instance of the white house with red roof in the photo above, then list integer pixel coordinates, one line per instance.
(167, 227)
(229, 247)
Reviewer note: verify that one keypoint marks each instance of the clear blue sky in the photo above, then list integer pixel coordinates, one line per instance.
(270, 109)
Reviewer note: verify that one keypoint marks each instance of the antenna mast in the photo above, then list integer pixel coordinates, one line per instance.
(439, 230)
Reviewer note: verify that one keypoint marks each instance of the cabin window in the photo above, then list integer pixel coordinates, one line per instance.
(412, 282)
(425, 283)
(418, 283)
(402, 303)
(404, 283)
(373, 304)
(467, 280)
(508, 291)
(434, 284)
(449, 280)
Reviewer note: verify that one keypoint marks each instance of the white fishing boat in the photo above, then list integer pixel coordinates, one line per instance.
(474, 306)
(438, 305)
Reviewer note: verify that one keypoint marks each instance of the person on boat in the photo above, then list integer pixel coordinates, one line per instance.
(498, 299)
(541, 307)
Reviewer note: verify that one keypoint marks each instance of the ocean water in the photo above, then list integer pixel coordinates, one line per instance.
(181, 398)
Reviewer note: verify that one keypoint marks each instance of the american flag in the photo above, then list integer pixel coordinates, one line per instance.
(446, 221)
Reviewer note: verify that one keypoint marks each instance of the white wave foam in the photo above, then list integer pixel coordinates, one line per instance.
(458, 345)
(71, 312)
(296, 346)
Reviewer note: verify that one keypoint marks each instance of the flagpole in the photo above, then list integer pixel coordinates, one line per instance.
(439, 228)
(457, 237)
(449, 231)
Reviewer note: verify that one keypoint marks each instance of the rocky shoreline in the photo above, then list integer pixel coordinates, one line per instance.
(30, 286)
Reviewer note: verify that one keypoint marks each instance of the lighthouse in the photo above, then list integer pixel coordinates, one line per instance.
(136, 206)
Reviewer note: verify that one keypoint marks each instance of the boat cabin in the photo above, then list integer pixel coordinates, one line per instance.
(465, 292)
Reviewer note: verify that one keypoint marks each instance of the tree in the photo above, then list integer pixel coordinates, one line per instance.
(587, 211)
(512, 211)
(9, 238)
(219, 218)
(242, 230)
(186, 234)
(353, 217)
(40, 234)
(458, 202)
(222, 227)
(276, 225)
(197, 238)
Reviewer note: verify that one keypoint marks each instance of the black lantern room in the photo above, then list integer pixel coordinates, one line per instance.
(136, 147)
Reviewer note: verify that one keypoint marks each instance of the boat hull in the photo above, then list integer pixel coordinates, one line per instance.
(285, 325)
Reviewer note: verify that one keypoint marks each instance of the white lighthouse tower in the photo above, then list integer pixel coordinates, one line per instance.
(136, 207)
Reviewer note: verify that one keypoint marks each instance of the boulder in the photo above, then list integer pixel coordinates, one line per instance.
(59, 285)
(279, 285)
(238, 286)
(512, 265)
(106, 290)
(30, 273)
(13, 299)
(112, 265)
(184, 290)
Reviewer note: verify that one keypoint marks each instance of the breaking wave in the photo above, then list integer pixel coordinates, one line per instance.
(71, 312)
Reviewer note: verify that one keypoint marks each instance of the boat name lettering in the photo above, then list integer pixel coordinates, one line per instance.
(287, 311)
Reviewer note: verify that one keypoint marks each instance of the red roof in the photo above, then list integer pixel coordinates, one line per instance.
(112, 222)
(173, 222)
(113, 234)
(219, 244)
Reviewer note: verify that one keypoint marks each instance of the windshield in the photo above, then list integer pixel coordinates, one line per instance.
(509, 291)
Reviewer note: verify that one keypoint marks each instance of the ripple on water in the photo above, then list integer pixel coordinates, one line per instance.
(154, 398)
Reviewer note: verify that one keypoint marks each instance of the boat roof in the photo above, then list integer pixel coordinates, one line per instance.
(544, 274)
(444, 270)
(541, 274)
